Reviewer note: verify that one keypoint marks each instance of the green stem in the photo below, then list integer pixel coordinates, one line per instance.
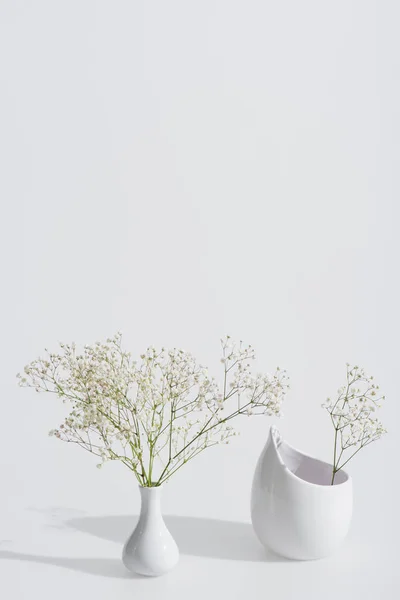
(334, 468)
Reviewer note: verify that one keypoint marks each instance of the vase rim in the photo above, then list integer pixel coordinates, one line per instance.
(278, 440)
(150, 487)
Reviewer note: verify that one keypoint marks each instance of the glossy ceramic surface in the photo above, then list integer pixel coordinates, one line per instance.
(295, 511)
(150, 550)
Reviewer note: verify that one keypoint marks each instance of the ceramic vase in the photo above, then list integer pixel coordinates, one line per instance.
(150, 550)
(295, 510)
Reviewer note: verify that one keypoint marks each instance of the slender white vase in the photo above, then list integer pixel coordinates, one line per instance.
(294, 510)
(150, 550)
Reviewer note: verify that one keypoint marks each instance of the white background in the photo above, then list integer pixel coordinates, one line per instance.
(180, 170)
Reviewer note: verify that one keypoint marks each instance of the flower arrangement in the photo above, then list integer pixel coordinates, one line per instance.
(155, 414)
(352, 416)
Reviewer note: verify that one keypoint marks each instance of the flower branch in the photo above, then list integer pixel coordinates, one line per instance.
(156, 414)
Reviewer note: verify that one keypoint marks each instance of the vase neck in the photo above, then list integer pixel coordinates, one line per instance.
(150, 501)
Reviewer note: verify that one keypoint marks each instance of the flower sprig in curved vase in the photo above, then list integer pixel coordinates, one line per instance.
(353, 416)
(301, 507)
(154, 415)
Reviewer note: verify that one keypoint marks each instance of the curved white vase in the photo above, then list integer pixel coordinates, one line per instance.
(150, 550)
(294, 510)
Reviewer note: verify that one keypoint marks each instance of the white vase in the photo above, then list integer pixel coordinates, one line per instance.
(150, 550)
(294, 510)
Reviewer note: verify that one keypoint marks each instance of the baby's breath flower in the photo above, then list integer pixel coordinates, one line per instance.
(155, 414)
(352, 416)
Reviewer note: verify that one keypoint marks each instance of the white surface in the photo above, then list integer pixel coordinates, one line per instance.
(294, 510)
(182, 170)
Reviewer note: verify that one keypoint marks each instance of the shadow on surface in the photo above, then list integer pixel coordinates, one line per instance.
(107, 567)
(211, 538)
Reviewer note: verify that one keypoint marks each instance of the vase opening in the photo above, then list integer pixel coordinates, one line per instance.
(307, 468)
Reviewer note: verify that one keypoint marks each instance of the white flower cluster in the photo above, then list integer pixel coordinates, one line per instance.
(155, 414)
(353, 416)
(257, 394)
